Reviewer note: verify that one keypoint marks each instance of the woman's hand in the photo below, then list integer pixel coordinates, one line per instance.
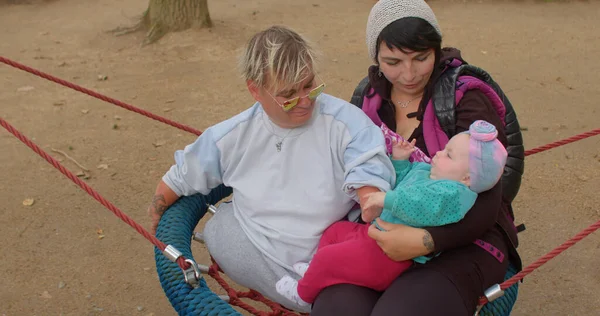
(401, 242)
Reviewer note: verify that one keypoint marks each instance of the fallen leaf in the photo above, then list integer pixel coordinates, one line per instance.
(64, 63)
(83, 175)
(118, 118)
(167, 109)
(46, 295)
(25, 89)
(484, 52)
(159, 143)
(170, 101)
(99, 231)
(28, 202)
(102, 166)
(85, 111)
(100, 236)
(102, 78)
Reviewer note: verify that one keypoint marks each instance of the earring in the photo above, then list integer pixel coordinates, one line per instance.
(379, 73)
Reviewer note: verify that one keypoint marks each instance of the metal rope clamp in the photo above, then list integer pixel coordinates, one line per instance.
(493, 293)
(211, 209)
(192, 274)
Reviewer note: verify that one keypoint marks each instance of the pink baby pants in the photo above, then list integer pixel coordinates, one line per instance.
(346, 254)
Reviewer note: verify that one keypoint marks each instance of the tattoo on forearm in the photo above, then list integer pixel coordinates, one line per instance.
(159, 204)
(428, 242)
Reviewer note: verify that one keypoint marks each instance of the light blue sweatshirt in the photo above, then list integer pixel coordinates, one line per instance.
(285, 199)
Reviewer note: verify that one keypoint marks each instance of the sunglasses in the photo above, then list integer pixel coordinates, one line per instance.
(291, 103)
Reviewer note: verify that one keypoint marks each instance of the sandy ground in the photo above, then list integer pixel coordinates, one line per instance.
(54, 259)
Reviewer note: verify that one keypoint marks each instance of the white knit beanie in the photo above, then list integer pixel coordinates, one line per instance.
(384, 12)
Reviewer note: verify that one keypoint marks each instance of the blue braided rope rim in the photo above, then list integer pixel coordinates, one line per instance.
(504, 305)
(176, 228)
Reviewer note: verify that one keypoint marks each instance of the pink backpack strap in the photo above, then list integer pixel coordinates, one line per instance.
(470, 83)
(435, 137)
(371, 105)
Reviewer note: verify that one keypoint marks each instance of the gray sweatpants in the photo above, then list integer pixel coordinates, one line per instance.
(241, 260)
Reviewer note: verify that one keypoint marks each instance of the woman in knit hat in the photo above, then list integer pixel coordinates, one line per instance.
(404, 41)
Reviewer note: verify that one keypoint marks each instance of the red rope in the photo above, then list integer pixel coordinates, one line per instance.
(214, 270)
(198, 132)
(236, 296)
(99, 96)
(547, 257)
(562, 142)
(566, 245)
(89, 190)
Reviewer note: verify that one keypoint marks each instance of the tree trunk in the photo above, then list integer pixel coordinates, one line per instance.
(163, 16)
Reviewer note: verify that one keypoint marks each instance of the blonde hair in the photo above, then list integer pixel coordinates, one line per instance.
(277, 56)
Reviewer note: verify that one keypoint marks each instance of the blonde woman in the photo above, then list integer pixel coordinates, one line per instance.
(297, 160)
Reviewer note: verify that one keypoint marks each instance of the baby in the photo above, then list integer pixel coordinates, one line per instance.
(425, 195)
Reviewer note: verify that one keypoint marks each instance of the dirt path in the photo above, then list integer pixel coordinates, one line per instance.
(54, 260)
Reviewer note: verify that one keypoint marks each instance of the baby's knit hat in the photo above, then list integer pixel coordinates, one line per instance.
(384, 12)
(487, 156)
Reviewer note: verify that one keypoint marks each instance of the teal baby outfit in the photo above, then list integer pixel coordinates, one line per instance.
(419, 201)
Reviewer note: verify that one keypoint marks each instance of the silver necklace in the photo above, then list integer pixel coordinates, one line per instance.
(404, 104)
(280, 142)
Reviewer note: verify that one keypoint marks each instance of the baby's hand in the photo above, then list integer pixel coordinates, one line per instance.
(372, 206)
(402, 149)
